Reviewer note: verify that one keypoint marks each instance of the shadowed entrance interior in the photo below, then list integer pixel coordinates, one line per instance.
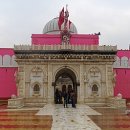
(65, 80)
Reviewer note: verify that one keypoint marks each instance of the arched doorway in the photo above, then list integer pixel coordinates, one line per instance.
(65, 80)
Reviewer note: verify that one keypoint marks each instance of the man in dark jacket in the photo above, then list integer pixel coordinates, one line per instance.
(65, 96)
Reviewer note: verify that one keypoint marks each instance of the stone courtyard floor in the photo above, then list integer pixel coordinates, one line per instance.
(56, 117)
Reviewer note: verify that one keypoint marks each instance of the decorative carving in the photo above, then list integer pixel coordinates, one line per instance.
(36, 69)
(94, 72)
(113, 78)
(65, 36)
(110, 90)
(86, 78)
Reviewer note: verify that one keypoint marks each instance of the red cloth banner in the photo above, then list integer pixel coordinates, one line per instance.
(61, 18)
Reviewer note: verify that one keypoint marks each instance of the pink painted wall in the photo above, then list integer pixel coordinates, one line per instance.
(87, 39)
(7, 79)
(122, 76)
(122, 53)
(7, 82)
(6, 51)
(42, 39)
(76, 39)
(122, 82)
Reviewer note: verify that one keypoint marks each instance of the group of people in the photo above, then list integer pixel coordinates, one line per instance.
(65, 98)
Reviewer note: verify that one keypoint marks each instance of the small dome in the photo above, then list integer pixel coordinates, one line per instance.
(52, 27)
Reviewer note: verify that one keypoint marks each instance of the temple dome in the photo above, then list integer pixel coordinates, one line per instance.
(52, 27)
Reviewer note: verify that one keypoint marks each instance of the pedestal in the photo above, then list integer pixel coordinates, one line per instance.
(117, 102)
(15, 103)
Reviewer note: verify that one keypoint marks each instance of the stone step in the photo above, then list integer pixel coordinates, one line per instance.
(34, 104)
(96, 104)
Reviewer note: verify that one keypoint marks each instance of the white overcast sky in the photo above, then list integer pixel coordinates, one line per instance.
(21, 18)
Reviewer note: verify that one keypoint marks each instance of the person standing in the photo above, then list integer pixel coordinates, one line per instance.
(60, 97)
(57, 96)
(65, 96)
(73, 99)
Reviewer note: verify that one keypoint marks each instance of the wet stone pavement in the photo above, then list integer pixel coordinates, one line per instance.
(56, 117)
(70, 118)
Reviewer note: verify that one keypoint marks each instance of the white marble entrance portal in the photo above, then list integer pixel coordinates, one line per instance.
(70, 118)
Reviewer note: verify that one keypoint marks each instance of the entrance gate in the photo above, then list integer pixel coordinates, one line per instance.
(65, 80)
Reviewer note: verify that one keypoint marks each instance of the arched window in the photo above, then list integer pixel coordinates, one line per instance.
(6, 61)
(94, 88)
(117, 63)
(36, 89)
(124, 62)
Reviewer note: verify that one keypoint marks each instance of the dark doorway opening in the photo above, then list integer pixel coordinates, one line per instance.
(65, 80)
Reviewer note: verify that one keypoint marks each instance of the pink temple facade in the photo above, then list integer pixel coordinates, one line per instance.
(75, 39)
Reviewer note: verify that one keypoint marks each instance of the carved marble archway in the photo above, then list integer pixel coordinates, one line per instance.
(67, 73)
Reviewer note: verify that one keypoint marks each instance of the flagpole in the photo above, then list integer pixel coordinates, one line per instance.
(66, 18)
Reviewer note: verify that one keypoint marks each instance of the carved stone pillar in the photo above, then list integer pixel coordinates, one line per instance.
(21, 83)
(50, 89)
(81, 96)
(109, 73)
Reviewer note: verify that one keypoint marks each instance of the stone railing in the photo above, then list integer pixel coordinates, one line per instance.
(35, 101)
(65, 47)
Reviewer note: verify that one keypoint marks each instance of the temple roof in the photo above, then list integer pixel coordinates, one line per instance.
(52, 27)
